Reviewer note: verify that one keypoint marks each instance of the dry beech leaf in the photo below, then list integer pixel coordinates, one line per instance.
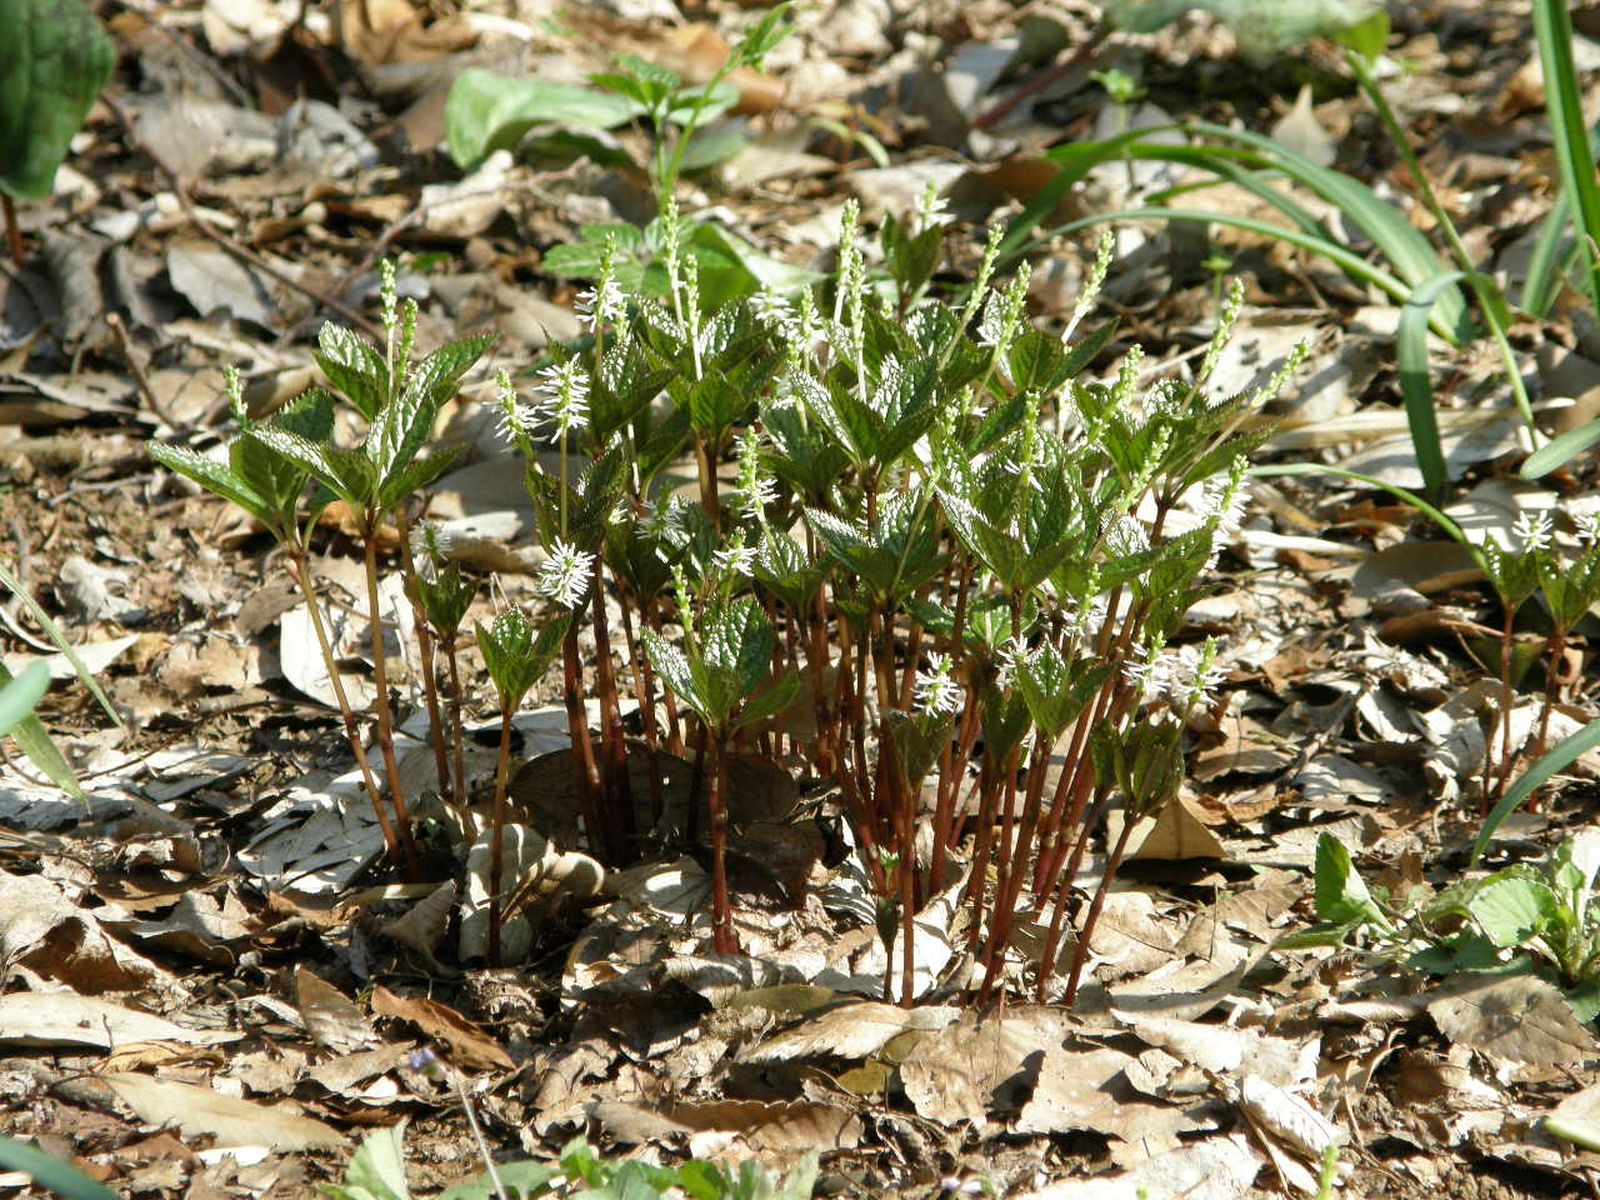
(469, 1046)
(1519, 1017)
(331, 1019)
(423, 926)
(45, 931)
(200, 1112)
(1288, 1118)
(958, 1073)
(851, 1031)
(67, 1019)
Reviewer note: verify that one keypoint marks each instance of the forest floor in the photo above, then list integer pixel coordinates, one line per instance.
(213, 984)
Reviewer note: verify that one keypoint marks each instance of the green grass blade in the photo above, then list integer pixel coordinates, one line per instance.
(1552, 25)
(1416, 385)
(1410, 254)
(34, 740)
(1558, 758)
(1348, 261)
(53, 632)
(1548, 265)
(1075, 159)
(1560, 451)
(49, 1172)
(19, 696)
(1415, 501)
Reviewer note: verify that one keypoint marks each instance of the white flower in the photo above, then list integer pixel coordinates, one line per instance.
(936, 692)
(1588, 527)
(775, 311)
(430, 549)
(564, 396)
(516, 418)
(737, 560)
(1532, 529)
(565, 575)
(1182, 676)
(1010, 659)
(603, 303)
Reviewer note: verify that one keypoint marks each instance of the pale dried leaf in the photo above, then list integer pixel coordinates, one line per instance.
(201, 1112)
(67, 1019)
(1519, 1017)
(850, 1031)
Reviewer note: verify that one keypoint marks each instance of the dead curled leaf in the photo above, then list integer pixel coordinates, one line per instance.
(1519, 1017)
(469, 1046)
(201, 1112)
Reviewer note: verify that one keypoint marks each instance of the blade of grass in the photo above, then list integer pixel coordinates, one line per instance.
(19, 696)
(1416, 385)
(1351, 263)
(34, 740)
(1550, 261)
(1560, 451)
(1558, 759)
(1417, 502)
(1403, 245)
(1552, 25)
(53, 632)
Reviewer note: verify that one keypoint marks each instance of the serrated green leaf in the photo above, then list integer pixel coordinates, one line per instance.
(354, 366)
(54, 60)
(672, 665)
(217, 478)
(347, 473)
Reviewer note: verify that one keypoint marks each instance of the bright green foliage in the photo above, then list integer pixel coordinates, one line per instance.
(18, 696)
(1541, 918)
(377, 1172)
(486, 112)
(54, 59)
(517, 654)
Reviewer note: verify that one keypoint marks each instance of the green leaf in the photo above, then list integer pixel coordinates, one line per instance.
(348, 473)
(20, 695)
(50, 1173)
(354, 366)
(1512, 907)
(1265, 28)
(1342, 895)
(769, 701)
(217, 478)
(417, 476)
(486, 112)
(377, 1170)
(86, 677)
(522, 1180)
(1416, 385)
(54, 59)
(1558, 758)
(404, 424)
(1559, 451)
(1552, 24)
(516, 655)
(669, 662)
